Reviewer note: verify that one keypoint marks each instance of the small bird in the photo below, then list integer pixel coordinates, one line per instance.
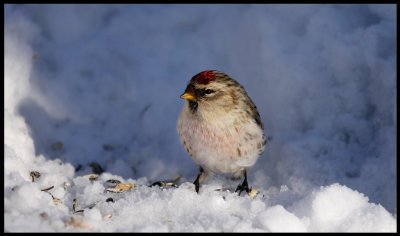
(220, 127)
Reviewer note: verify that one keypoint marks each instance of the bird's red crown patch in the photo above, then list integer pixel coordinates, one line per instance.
(204, 77)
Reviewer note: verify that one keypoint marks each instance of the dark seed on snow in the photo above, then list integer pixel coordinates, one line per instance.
(110, 199)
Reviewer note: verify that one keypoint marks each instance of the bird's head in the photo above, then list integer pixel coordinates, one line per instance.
(211, 89)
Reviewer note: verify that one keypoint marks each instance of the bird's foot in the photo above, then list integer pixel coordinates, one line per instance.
(243, 187)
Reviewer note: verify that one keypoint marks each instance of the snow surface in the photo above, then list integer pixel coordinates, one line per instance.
(101, 83)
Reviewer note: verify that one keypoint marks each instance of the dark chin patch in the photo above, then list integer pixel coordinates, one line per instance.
(193, 106)
(204, 77)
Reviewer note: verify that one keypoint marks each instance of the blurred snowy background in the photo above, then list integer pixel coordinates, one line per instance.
(101, 83)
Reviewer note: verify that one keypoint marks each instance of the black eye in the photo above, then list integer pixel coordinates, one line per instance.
(209, 91)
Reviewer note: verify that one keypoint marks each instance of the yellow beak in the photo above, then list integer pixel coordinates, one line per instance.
(188, 96)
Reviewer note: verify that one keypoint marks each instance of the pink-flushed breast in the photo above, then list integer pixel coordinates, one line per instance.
(218, 148)
(204, 77)
(202, 137)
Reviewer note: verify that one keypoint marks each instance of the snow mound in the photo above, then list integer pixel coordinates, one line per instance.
(95, 88)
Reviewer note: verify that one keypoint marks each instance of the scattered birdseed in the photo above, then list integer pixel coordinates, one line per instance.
(56, 200)
(167, 183)
(91, 177)
(253, 193)
(47, 189)
(35, 174)
(111, 183)
(121, 187)
(164, 184)
(110, 199)
(75, 205)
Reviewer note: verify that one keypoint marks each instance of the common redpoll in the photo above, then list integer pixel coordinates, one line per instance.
(220, 127)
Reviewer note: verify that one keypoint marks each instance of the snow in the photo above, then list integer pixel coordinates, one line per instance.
(100, 84)
(277, 219)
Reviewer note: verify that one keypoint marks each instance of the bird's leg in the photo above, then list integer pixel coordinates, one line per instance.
(244, 185)
(197, 181)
